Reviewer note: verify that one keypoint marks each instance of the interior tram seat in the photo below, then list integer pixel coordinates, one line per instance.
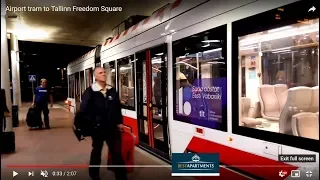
(306, 124)
(272, 99)
(299, 112)
(249, 114)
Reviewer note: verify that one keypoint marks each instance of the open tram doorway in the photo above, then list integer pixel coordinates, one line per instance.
(152, 100)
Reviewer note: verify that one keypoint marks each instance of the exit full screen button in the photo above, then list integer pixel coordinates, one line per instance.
(305, 158)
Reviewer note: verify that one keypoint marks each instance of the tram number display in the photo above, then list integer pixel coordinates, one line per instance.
(202, 102)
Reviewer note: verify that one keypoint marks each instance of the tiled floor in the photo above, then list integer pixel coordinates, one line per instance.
(59, 146)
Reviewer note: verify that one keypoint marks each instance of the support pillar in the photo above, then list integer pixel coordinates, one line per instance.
(14, 69)
(18, 79)
(7, 137)
(14, 47)
(5, 76)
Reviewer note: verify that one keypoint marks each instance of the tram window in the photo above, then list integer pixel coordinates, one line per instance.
(280, 62)
(82, 82)
(71, 85)
(278, 96)
(77, 86)
(126, 81)
(111, 73)
(89, 77)
(200, 79)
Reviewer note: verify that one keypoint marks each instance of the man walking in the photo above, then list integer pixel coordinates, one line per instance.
(40, 100)
(101, 106)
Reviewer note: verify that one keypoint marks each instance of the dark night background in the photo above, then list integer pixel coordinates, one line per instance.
(43, 60)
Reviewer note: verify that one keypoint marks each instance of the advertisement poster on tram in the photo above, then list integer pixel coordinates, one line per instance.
(202, 102)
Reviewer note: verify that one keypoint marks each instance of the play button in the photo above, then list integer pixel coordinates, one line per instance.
(14, 173)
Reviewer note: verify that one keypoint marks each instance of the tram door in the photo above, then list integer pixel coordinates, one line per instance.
(152, 100)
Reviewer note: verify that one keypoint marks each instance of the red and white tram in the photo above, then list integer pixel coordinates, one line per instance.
(239, 78)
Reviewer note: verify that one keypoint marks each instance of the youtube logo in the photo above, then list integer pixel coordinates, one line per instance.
(31, 173)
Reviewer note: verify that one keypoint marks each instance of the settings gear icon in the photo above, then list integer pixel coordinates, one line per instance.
(282, 173)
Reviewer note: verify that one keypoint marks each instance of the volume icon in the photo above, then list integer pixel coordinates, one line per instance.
(31, 173)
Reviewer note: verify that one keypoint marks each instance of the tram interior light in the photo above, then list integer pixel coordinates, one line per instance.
(210, 41)
(281, 33)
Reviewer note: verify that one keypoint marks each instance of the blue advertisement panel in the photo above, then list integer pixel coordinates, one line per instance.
(203, 102)
(190, 164)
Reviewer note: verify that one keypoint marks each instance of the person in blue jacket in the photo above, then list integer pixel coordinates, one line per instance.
(41, 97)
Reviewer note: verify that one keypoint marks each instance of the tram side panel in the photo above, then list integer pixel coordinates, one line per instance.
(189, 134)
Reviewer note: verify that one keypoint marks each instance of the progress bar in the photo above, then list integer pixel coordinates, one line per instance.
(139, 166)
(74, 166)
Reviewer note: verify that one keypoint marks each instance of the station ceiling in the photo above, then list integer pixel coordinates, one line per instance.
(74, 28)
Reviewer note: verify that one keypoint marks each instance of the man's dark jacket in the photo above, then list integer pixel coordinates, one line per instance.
(99, 111)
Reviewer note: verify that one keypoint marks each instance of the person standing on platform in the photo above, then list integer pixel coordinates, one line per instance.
(101, 107)
(4, 110)
(41, 97)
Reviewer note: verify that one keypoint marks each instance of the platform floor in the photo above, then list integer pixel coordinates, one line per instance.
(59, 146)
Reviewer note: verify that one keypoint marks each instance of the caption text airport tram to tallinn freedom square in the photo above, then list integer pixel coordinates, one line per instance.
(63, 8)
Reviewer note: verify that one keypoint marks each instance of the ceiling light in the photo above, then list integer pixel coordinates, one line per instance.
(181, 62)
(207, 45)
(215, 62)
(281, 51)
(208, 41)
(248, 47)
(281, 34)
(280, 29)
(124, 68)
(159, 54)
(212, 50)
(30, 33)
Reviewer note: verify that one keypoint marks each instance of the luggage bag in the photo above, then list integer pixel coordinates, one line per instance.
(127, 148)
(33, 118)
